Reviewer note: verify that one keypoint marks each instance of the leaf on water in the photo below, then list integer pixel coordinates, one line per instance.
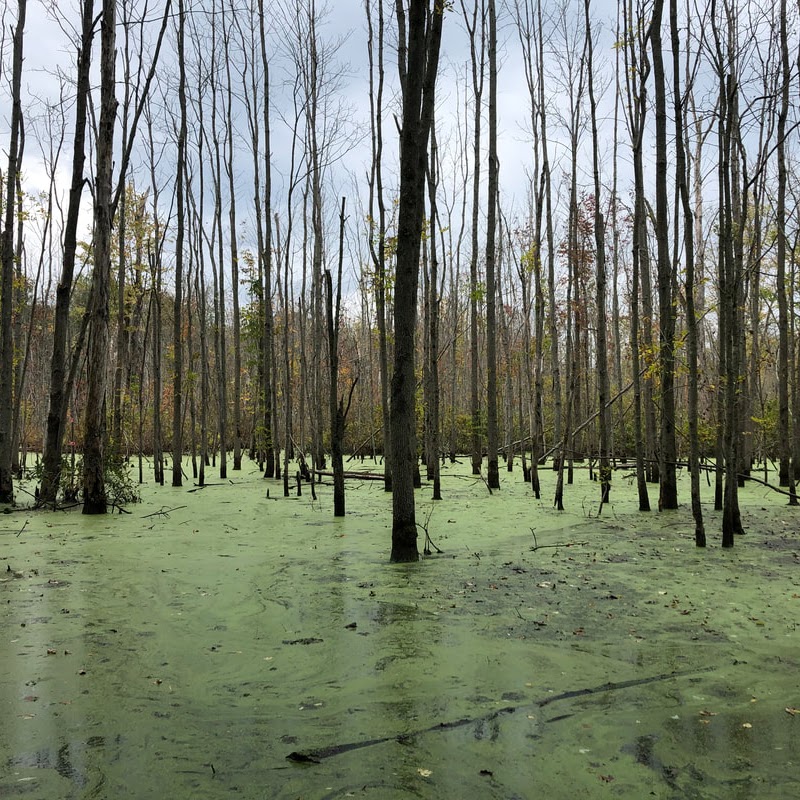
(425, 773)
(305, 640)
(747, 725)
(705, 713)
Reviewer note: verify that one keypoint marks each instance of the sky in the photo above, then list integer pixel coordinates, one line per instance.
(49, 64)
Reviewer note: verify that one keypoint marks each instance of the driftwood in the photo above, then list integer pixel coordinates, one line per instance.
(316, 756)
(364, 476)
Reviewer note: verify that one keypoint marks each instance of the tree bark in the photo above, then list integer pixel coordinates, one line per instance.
(668, 488)
(419, 81)
(177, 324)
(682, 180)
(7, 268)
(492, 470)
(94, 489)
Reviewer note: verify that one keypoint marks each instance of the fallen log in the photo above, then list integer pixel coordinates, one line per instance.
(364, 476)
(316, 756)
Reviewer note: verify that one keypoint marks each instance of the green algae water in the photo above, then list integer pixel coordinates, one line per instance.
(231, 642)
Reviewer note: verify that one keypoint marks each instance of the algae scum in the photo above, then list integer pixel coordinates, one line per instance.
(222, 643)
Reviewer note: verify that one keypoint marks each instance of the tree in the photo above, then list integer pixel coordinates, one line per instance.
(338, 409)
(682, 183)
(7, 267)
(492, 472)
(418, 60)
(477, 61)
(667, 454)
(177, 323)
(377, 237)
(94, 490)
(600, 281)
(787, 475)
(637, 71)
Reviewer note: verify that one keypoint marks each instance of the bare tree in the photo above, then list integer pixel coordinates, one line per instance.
(668, 494)
(476, 27)
(7, 266)
(492, 471)
(378, 224)
(94, 490)
(600, 280)
(787, 474)
(682, 183)
(637, 71)
(177, 323)
(418, 61)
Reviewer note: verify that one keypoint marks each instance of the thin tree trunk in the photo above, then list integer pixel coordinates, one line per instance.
(682, 181)
(786, 472)
(7, 268)
(177, 324)
(600, 283)
(493, 472)
(477, 60)
(378, 229)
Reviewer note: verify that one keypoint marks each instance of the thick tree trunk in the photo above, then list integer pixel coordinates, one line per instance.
(94, 489)
(668, 487)
(418, 75)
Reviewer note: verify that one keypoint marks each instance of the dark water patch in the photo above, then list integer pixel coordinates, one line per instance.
(69, 761)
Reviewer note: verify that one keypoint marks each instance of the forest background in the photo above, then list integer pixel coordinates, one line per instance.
(205, 253)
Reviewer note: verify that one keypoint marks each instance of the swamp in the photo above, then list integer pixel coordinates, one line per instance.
(231, 642)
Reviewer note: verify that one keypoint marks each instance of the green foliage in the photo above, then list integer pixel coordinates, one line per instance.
(121, 489)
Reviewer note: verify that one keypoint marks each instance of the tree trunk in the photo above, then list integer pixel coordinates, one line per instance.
(786, 472)
(668, 488)
(177, 324)
(418, 78)
(7, 269)
(492, 472)
(682, 180)
(477, 60)
(600, 282)
(94, 489)
(378, 229)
